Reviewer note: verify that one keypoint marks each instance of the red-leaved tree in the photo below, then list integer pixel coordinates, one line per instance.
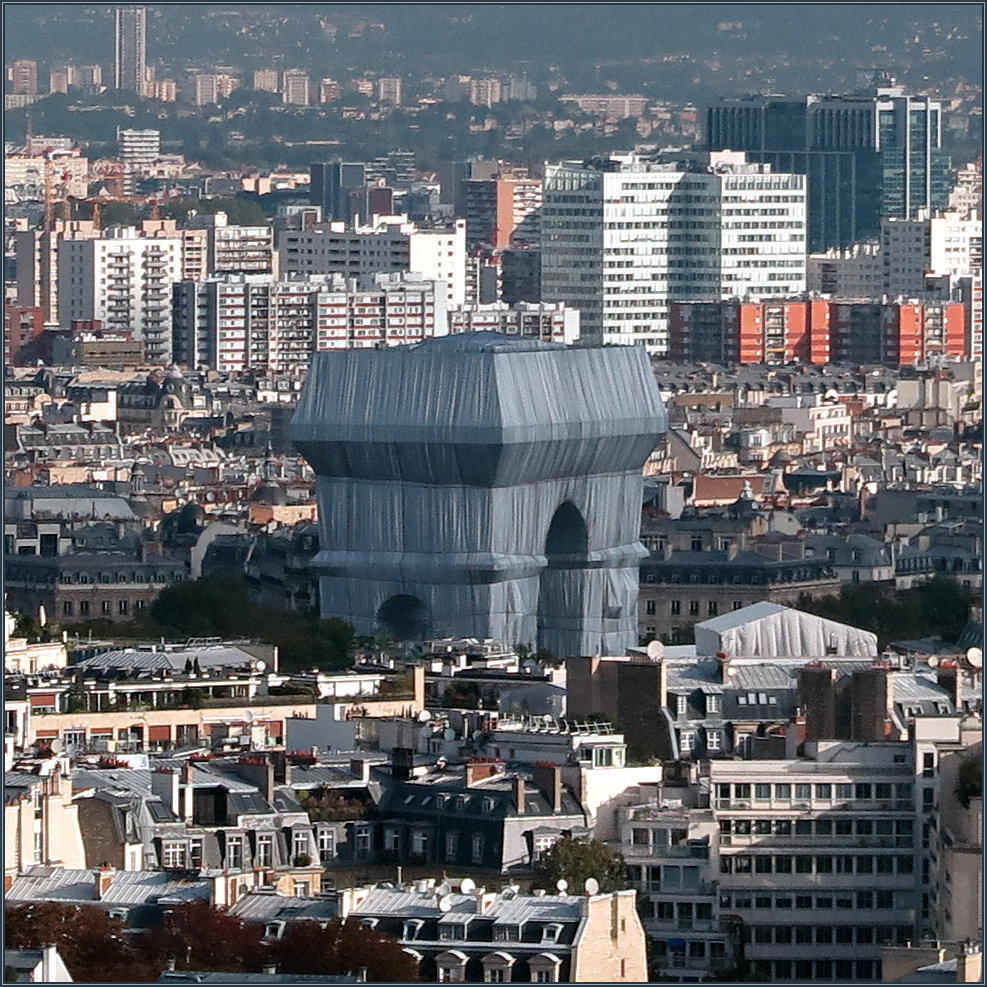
(198, 936)
(92, 944)
(342, 947)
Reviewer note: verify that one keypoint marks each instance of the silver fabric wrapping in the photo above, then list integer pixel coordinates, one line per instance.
(441, 467)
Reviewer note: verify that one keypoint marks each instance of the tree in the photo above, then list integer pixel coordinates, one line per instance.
(342, 947)
(576, 860)
(198, 936)
(91, 943)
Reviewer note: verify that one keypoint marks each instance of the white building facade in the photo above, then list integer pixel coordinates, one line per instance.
(621, 241)
(546, 321)
(391, 244)
(123, 280)
(241, 322)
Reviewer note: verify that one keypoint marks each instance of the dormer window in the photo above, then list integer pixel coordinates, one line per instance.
(412, 928)
(680, 705)
(507, 933)
(551, 933)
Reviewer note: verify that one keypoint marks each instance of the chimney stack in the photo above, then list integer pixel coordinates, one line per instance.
(949, 678)
(548, 777)
(360, 768)
(519, 795)
(270, 969)
(478, 770)
(104, 878)
(402, 762)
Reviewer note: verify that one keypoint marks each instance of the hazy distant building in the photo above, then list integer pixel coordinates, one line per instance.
(295, 88)
(24, 77)
(266, 80)
(621, 241)
(329, 91)
(484, 92)
(130, 59)
(609, 105)
(478, 486)
(389, 91)
(211, 88)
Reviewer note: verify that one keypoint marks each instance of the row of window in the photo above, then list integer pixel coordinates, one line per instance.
(86, 608)
(824, 792)
(817, 827)
(807, 864)
(822, 970)
(826, 935)
(842, 900)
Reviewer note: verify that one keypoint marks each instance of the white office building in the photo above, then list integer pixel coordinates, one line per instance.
(125, 281)
(389, 245)
(623, 239)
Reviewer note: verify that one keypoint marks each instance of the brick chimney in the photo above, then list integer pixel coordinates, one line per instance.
(479, 770)
(104, 878)
(519, 795)
(949, 678)
(548, 777)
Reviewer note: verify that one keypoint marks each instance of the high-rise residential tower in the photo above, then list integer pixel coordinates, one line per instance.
(130, 63)
(621, 240)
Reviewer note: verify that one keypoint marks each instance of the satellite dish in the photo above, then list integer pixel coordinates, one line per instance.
(443, 889)
(444, 903)
(591, 887)
(562, 884)
(656, 650)
(55, 746)
(975, 657)
(424, 716)
(467, 884)
(933, 661)
(260, 665)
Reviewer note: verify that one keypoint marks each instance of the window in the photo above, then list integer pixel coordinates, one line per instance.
(195, 853)
(299, 844)
(693, 608)
(676, 607)
(476, 848)
(680, 705)
(824, 791)
(174, 856)
(928, 765)
(649, 608)
(762, 793)
(300, 889)
(803, 792)
(712, 608)
(494, 975)
(419, 842)
(862, 791)
(122, 606)
(265, 851)
(67, 608)
(362, 843)
(83, 608)
(713, 740)
(234, 852)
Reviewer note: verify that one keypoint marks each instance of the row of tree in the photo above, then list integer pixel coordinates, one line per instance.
(221, 606)
(196, 936)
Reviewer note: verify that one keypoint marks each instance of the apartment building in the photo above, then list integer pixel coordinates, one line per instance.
(460, 933)
(503, 211)
(545, 322)
(235, 249)
(819, 331)
(389, 90)
(295, 86)
(124, 281)
(390, 244)
(622, 240)
(252, 321)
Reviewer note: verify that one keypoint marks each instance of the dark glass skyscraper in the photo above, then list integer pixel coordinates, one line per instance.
(332, 183)
(867, 157)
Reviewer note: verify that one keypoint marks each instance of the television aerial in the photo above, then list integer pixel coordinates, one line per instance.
(975, 658)
(466, 885)
(591, 887)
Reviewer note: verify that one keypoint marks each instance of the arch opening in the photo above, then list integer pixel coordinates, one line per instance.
(561, 587)
(404, 618)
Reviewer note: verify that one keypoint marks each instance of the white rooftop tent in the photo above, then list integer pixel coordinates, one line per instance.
(769, 630)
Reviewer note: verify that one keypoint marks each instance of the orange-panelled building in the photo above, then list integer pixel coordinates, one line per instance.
(817, 331)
